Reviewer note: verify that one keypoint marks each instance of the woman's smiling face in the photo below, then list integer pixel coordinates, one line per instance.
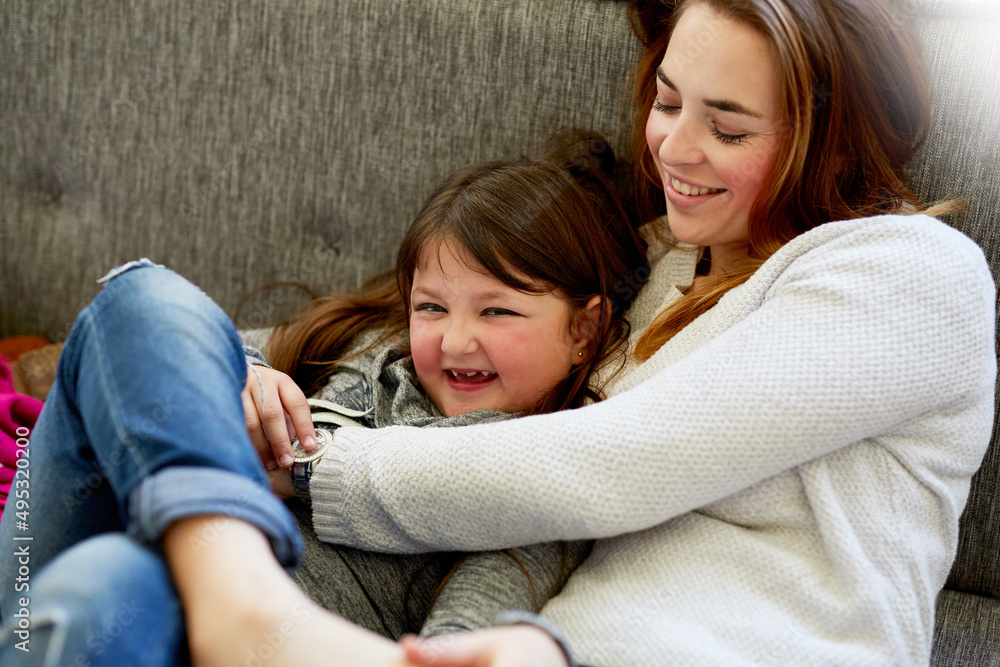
(714, 129)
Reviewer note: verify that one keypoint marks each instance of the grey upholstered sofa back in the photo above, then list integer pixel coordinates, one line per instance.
(247, 142)
(961, 158)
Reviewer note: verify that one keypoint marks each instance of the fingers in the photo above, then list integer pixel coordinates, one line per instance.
(251, 397)
(433, 652)
(467, 650)
(274, 424)
(276, 410)
(298, 413)
(509, 646)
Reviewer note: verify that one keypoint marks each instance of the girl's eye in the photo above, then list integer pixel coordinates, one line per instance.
(728, 138)
(430, 308)
(663, 108)
(494, 312)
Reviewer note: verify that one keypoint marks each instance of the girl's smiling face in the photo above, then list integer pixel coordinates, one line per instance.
(714, 129)
(479, 344)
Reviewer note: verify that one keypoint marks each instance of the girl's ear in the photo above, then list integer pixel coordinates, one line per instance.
(584, 328)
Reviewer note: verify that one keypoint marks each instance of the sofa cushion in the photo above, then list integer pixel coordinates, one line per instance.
(967, 631)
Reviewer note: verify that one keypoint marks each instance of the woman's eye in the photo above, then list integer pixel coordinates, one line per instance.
(494, 312)
(664, 108)
(430, 308)
(728, 138)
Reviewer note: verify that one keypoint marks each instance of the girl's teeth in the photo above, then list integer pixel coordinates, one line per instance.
(690, 191)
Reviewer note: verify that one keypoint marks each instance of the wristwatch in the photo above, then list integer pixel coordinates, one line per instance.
(305, 462)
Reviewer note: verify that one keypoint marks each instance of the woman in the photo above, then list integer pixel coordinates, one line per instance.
(778, 478)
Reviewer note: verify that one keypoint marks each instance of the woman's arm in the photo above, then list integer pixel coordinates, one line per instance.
(849, 332)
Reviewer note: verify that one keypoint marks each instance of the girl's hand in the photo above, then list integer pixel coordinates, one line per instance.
(281, 483)
(507, 646)
(276, 411)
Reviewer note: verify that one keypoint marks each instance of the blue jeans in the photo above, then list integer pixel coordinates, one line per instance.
(143, 425)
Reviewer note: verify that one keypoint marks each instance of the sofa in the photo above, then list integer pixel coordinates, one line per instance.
(271, 142)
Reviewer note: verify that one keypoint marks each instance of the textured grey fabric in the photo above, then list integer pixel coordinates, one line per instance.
(180, 129)
(967, 631)
(962, 159)
(246, 142)
(486, 584)
(387, 593)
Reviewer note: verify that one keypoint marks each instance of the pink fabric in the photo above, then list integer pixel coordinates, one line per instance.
(16, 411)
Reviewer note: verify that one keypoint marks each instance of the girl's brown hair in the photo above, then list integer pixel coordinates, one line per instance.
(554, 224)
(855, 109)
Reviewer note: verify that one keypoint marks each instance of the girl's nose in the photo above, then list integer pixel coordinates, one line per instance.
(459, 339)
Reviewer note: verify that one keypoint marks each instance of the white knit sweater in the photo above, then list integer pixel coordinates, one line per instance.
(781, 483)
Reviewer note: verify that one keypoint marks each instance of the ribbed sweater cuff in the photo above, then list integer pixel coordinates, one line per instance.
(518, 617)
(326, 490)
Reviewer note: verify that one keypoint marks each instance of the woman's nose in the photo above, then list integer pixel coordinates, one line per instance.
(459, 339)
(680, 143)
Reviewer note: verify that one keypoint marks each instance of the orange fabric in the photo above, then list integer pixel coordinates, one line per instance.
(12, 348)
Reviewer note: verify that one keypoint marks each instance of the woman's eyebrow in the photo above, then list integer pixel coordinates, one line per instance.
(721, 105)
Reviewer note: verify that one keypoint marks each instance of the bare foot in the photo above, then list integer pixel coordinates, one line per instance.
(241, 608)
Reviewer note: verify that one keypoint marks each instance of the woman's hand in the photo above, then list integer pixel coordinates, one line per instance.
(507, 646)
(276, 411)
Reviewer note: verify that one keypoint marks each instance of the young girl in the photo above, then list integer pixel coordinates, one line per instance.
(546, 236)
(507, 291)
(501, 304)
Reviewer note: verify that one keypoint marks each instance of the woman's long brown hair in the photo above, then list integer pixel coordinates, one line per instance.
(553, 224)
(855, 109)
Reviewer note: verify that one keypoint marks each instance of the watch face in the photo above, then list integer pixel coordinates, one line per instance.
(324, 439)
